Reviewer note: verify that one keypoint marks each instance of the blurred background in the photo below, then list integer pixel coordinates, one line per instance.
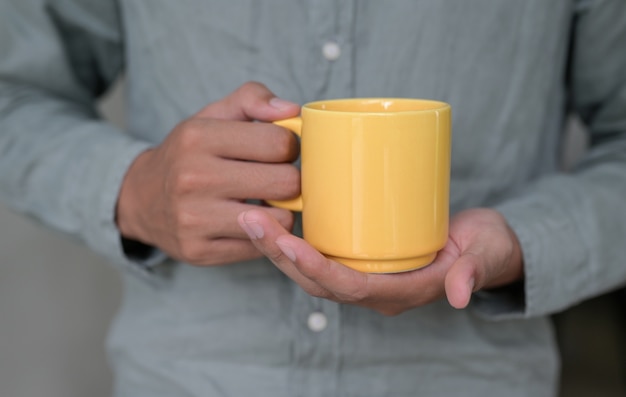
(57, 300)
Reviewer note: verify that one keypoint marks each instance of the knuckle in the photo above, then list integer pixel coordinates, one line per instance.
(275, 255)
(212, 255)
(185, 182)
(250, 87)
(190, 132)
(355, 297)
(191, 252)
(184, 220)
(359, 295)
(250, 95)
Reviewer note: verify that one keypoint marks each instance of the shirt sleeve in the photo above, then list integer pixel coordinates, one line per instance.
(572, 226)
(59, 161)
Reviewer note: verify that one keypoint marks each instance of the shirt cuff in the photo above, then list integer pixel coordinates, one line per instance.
(554, 264)
(101, 232)
(503, 303)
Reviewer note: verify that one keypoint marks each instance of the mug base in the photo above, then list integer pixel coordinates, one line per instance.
(385, 266)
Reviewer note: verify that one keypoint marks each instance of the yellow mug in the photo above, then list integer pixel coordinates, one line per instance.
(375, 180)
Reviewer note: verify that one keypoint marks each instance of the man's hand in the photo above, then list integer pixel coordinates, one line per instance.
(482, 252)
(184, 195)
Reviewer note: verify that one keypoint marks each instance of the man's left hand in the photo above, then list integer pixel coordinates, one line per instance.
(482, 251)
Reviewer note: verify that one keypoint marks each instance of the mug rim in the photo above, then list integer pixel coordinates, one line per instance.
(320, 106)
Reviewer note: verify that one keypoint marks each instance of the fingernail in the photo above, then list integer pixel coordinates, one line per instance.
(253, 229)
(281, 104)
(287, 251)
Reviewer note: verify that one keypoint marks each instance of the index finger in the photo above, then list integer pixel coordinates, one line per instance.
(251, 101)
(242, 140)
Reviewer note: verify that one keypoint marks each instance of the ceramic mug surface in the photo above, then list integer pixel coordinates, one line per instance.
(375, 180)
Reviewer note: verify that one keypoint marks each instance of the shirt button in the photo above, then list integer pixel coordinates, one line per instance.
(331, 51)
(317, 322)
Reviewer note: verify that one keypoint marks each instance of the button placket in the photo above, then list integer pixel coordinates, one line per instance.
(337, 53)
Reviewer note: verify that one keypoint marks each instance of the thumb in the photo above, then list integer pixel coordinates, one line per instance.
(462, 280)
(251, 101)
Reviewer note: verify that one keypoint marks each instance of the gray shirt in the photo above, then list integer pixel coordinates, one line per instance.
(511, 71)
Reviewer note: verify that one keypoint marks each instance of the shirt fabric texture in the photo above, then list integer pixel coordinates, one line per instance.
(512, 72)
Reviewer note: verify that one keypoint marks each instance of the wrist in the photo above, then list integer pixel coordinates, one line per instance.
(127, 208)
(514, 264)
(517, 258)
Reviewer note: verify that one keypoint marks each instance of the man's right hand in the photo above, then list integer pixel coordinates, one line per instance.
(184, 195)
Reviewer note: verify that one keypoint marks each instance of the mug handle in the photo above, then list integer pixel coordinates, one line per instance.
(294, 125)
